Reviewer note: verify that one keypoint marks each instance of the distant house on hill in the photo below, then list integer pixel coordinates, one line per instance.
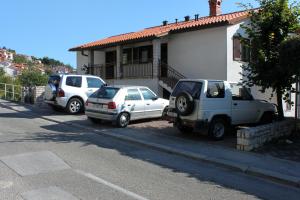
(5, 55)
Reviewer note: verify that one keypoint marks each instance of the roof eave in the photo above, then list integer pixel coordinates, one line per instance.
(99, 47)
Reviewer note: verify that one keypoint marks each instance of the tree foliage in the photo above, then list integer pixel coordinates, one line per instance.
(268, 28)
(32, 78)
(19, 59)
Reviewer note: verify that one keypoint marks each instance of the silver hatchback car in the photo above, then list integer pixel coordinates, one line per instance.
(121, 104)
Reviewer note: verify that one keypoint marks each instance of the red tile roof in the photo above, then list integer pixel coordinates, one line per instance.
(159, 31)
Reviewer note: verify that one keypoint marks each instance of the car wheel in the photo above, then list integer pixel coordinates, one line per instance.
(218, 128)
(184, 104)
(123, 120)
(75, 106)
(94, 120)
(164, 112)
(267, 118)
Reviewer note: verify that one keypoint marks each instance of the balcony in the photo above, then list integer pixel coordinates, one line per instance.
(126, 71)
(137, 70)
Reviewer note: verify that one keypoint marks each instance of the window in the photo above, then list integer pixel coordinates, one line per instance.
(240, 93)
(127, 56)
(147, 94)
(241, 51)
(94, 82)
(105, 93)
(145, 54)
(193, 88)
(215, 90)
(74, 81)
(133, 95)
(54, 80)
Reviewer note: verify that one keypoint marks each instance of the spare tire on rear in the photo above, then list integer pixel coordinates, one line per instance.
(184, 104)
(50, 92)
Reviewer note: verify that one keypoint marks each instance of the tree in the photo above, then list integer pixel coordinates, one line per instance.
(32, 78)
(269, 26)
(2, 72)
(19, 59)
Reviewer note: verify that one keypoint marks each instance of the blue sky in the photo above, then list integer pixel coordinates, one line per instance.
(50, 27)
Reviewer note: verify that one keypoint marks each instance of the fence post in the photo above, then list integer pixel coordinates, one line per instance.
(4, 90)
(13, 92)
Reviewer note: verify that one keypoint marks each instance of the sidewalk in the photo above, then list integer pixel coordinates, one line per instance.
(283, 171)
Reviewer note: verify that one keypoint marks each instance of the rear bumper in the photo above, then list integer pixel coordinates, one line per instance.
(200, 125)
(61, 102)
(101, 115)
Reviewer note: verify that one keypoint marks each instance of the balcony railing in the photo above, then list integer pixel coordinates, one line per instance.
(138, 70)
(134, 70)
(169, 75)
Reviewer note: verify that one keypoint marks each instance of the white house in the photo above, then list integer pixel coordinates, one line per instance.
(202, 47)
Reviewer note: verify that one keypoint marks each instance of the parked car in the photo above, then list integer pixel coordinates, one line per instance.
(71, 91)
(121, 104)
(214, 106)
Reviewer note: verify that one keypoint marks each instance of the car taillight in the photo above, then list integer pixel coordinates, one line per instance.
(60, 93)
(111, 105)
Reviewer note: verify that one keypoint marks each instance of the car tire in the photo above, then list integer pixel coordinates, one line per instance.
(164, 112)
(123, 120)
(218, 128)
(75, 106)
(184, 104)
(267, 117)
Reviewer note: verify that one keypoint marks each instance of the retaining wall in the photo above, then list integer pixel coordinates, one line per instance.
(249, 138)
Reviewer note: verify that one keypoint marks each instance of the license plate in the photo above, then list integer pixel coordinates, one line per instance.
(97, 106)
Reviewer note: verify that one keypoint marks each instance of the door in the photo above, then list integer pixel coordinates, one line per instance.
(135, 104)
(110, 62)
(153, 106)
(244, 109)
(164, 60)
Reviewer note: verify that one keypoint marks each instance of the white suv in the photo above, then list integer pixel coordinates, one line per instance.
(214, 106)
(71, 91)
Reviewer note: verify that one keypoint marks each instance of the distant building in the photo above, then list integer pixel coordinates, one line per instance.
(5, 55)
(9, 69)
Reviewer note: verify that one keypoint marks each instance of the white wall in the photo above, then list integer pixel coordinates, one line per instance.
(81, 61)
(99, 58)
(233, 67)
(199, 54)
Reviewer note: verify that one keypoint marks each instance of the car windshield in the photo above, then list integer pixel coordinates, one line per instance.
(105, 93)
(193, 88)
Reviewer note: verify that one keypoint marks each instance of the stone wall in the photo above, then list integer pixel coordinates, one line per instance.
(249, 138)
(33, 95)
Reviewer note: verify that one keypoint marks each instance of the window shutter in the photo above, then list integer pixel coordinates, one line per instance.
(236, 48)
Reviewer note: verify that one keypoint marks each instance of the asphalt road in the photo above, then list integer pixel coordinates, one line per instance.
(40, 159)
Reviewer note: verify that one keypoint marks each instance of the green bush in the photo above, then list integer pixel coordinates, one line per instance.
(31, 78)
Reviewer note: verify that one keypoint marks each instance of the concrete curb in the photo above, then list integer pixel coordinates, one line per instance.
(247, 169)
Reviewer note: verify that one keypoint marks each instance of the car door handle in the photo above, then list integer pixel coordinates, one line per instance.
(148, 104)
(235, 104)
(128, 104)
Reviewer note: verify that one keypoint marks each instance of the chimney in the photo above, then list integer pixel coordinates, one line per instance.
(215, 7)
(165, 23)
(187, 18)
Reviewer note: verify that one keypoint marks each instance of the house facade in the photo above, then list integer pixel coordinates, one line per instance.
(199, 47)
(159, 56)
